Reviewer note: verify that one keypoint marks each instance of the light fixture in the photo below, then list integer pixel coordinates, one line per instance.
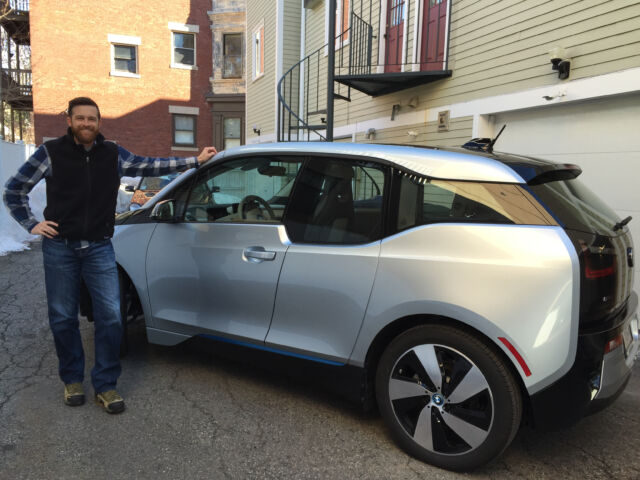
(560, 62)
(256, 130)
(394, 111)
(371, 133)
(412, 133)
(413, 103)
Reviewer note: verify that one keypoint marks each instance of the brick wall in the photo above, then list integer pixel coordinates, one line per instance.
(71, 56)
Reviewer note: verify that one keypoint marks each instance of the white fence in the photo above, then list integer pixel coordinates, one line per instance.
(12, 236)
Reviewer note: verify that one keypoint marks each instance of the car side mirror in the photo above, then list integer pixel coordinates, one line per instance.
(163, 211)
(129, 188)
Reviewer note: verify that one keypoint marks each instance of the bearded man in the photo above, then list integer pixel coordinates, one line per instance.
(82, 172)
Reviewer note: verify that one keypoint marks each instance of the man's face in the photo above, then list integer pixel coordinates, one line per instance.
(84, 123)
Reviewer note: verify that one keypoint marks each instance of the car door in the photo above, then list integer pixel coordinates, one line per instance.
(335, 222)
(216, 269)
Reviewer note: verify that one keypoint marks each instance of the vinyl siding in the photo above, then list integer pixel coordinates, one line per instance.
(427, 133)
(500, 46)
(261, 99)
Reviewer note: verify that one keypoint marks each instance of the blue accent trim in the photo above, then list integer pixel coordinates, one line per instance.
(272, 350)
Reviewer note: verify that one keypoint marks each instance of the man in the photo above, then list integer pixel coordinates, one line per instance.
(82, 171)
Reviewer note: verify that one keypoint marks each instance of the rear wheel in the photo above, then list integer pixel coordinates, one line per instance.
(447, 398)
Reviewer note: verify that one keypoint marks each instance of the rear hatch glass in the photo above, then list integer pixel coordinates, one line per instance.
(577, 208)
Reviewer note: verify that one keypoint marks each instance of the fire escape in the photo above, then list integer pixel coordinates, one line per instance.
(370, 54)
(16, 98)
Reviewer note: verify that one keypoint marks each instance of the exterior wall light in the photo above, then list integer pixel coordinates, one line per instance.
(371, 133)
(560, 62)
(256, 130)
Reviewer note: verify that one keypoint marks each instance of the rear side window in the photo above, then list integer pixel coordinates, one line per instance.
(423, 201)
(576, 207)
(337, 202)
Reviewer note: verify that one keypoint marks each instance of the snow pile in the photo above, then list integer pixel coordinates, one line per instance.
(13, 237)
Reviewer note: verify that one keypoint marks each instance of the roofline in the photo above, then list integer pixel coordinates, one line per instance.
(429, 162)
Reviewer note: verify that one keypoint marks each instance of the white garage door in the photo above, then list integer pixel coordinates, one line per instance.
(601, 136)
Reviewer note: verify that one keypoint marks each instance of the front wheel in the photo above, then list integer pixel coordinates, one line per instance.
(447, 398)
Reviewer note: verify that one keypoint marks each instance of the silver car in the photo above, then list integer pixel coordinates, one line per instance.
(472, 291)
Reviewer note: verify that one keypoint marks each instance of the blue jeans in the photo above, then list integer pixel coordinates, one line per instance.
(65, 264)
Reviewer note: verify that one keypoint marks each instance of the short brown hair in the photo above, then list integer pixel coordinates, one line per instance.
(81, 101)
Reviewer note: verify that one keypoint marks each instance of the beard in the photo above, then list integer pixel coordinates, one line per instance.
(85, 135)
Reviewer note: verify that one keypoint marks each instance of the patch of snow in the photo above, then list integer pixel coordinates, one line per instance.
(13, 237)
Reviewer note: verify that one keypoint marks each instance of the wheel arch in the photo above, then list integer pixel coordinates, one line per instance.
(400, 325)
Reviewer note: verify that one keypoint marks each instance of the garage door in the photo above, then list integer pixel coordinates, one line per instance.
(602, 136)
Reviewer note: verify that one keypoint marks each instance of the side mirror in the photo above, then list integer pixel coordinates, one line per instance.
(129, 188)
(163, 211)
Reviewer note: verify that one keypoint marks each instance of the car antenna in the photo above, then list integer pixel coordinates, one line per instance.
(492, 142)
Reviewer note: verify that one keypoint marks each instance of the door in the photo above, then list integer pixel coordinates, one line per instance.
(334, 221)
(216, 270)
(434, 28)
(394, 36)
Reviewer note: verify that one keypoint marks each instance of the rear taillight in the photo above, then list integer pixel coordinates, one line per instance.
(598, 272)
(612, 344)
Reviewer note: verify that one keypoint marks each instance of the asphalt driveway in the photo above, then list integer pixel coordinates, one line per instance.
(202, 410)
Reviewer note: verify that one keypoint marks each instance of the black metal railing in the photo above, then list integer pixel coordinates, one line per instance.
(16, 82)
(18, 5)
(302, 90)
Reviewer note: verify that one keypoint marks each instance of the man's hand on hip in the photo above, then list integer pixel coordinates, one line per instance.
(206, 154)
(46, 228)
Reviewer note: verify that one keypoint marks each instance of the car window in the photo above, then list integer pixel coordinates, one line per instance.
(156, 183)
(337, 201)
(423, 201)
(254, 189)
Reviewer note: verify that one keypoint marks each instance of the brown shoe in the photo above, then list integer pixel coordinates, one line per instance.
(110, 401)
(73, 394)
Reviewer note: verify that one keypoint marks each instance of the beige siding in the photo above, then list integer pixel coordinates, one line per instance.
(500, 46)
(427, 133)
(261, 104)
(291, 51)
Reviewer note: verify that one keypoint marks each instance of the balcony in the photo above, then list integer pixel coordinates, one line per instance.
(17, 89)
(14, 18)
(402, 58)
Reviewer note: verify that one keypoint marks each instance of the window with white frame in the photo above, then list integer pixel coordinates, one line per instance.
(258, 52)
(343, 22)
(124, 55)
(183, 45)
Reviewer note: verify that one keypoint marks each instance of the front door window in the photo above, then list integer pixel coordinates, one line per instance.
(231, 132)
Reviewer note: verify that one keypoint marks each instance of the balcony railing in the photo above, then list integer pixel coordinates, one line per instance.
(16, 83)
(17, 5)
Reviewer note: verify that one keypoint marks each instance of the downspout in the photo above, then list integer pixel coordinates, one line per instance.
(303, 48)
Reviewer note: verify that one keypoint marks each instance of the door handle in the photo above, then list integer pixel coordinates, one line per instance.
(258, 254)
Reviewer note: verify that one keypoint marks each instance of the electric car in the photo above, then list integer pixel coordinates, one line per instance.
(471, 290)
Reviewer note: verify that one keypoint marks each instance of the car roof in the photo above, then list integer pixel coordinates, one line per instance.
(451, 164)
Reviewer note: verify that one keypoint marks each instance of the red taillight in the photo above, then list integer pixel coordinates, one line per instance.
(598, 273)
(613, 344)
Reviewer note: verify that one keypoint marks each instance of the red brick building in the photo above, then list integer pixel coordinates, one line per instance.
(146, 65)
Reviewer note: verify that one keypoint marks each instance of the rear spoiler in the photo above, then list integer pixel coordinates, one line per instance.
(554, 172)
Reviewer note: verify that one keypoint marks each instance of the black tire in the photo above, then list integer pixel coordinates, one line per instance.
(467, 420)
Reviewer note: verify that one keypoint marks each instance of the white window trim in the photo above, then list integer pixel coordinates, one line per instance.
(342, 43)
(184, 149)
(175, 27)
(129, 41)
(255, 52)
(183, 27)
(181, 110)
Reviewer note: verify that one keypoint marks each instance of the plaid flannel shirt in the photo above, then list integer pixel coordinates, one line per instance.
(38, 166)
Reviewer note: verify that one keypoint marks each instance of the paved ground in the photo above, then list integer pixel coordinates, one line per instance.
(195, 414)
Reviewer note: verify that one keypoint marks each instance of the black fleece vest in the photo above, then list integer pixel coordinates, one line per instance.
(82, 189)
